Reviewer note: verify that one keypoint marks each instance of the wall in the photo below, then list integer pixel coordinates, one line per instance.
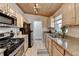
(3, 30)
(73, 32)
(32, 18)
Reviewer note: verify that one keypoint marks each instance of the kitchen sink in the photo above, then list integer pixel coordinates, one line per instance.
(53, 35)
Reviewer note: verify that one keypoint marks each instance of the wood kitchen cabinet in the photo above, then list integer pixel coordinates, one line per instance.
(56, 52)
(3, 7)
(77, 13)
(68, 14)
(22, 21)
(19, 20)
(11, 11)
(67, 53)
(46, 41)
(6, 7)
(25, 43)
(77, 9)
(59, 48)
(51, 22)
(50, 47)
(55, 49)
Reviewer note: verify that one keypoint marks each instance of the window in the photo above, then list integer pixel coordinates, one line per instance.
(58, 23)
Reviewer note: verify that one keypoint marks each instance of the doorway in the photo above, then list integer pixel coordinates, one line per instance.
(37, 30)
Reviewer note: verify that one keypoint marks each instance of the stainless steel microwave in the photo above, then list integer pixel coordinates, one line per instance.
(5, 19)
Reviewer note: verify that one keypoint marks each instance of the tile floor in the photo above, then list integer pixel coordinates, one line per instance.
(37, 46)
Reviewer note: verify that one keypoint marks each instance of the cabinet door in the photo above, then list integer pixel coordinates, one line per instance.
(56, 52)
(67, 54)
(3, 6)
(21, 23)
(61, 50)
(69, 14)
(50, 47)
(18, 20)
(11, 11)
(49, 22)
(25, 43)
(46, 37)
(77, 13)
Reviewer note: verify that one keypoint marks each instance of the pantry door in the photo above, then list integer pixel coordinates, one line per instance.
(37, 30)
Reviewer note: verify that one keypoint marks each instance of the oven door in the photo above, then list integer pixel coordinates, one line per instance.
(19, 51)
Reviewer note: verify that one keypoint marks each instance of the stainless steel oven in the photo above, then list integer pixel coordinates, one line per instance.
(19, 51)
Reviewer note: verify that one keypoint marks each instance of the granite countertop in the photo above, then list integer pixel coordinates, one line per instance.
(20, 36)
(2, 50)
(17, 36)
(70, 44)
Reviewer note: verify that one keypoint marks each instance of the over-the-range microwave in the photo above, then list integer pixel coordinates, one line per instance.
(5, 19)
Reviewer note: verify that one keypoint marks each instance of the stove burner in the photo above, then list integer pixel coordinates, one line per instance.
(10, 44)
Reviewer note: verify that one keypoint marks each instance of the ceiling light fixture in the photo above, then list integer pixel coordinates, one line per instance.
(36, 7)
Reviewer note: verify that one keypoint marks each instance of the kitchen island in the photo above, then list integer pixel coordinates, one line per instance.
(66, 47)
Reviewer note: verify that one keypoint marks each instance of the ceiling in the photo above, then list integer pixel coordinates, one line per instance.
(45, 9)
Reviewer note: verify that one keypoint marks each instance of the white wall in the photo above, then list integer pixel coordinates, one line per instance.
(32, 18)
(37, 30)
(73, 32)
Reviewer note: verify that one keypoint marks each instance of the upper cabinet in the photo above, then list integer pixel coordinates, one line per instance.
(19, 20)
(77, 13)
(68, 14)
(51, 22)
(10, 10)
(6, 8)
(3, 7)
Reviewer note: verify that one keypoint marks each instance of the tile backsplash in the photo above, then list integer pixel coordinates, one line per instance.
(73, 32)
(3, 30)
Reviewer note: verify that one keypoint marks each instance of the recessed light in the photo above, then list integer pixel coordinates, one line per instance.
(34, 9)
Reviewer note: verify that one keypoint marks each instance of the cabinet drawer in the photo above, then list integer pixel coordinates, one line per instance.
(60, 49)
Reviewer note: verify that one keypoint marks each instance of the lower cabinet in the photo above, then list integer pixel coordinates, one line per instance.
(55, 49)
(25, 43)
(56, 52)
(67, 54)
(20, 51)
(50, 47)
(59, 48)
